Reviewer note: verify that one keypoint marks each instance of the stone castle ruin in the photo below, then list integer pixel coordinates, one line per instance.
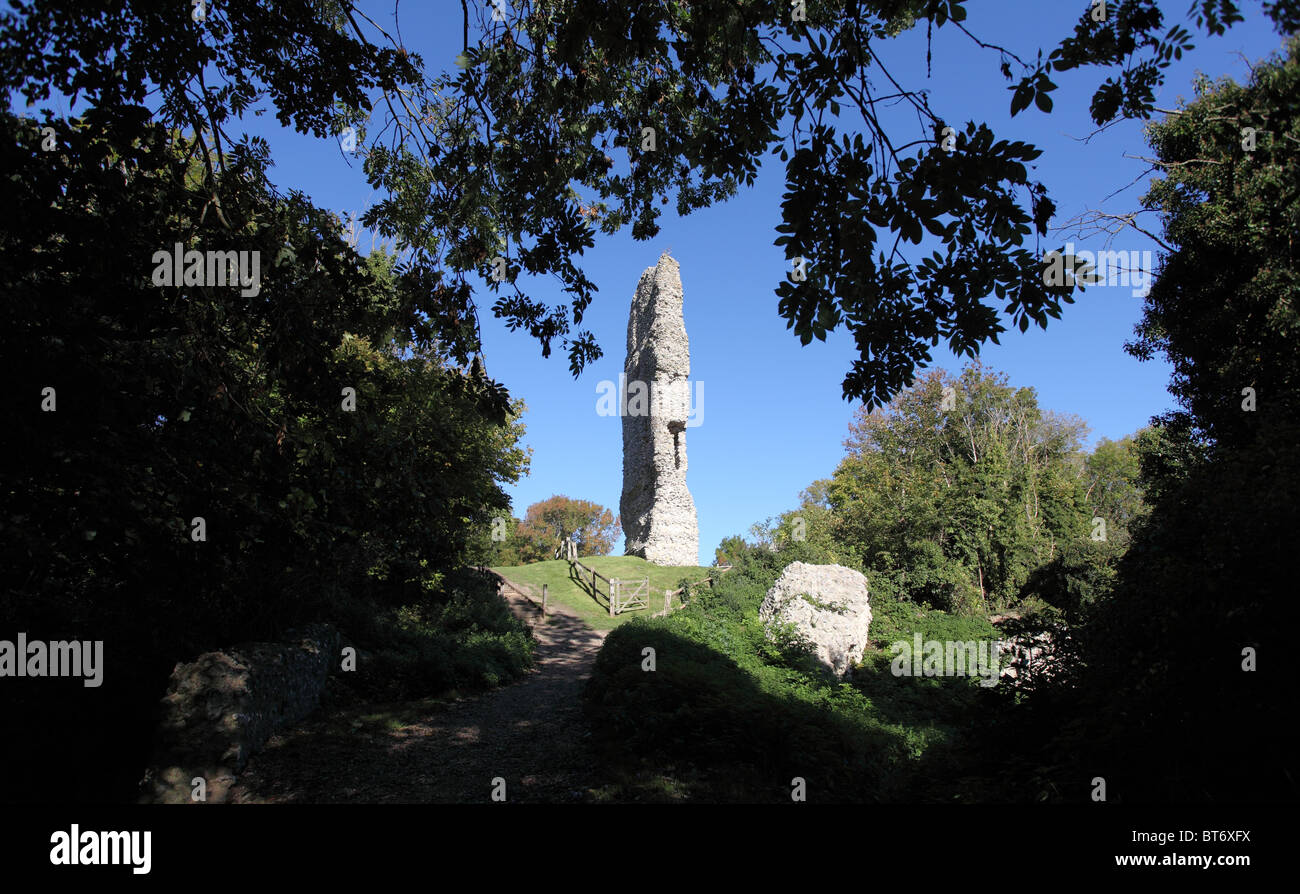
(656, 509)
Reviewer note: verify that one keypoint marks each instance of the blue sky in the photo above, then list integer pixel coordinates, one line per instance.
(773, 418)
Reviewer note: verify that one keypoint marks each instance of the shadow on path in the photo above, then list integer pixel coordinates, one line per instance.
(532, 733)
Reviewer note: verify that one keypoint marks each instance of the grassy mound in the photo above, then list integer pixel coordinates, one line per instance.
(567, 589)
(727, 715)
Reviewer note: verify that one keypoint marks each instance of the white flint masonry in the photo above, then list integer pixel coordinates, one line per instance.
(656, 510)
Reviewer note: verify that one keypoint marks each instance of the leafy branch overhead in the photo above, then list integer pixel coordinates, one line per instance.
(569, 118)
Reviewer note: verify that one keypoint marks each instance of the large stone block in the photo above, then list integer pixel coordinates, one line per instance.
(828, 605)
(223, 706)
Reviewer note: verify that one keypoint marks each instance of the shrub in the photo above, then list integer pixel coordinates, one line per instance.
(749, 713)
(460, 636)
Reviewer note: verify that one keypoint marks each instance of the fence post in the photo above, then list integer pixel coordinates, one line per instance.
(668, 600)
(543, 600)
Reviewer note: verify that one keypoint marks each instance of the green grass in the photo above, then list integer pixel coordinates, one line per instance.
(729, 712)
(576, 596)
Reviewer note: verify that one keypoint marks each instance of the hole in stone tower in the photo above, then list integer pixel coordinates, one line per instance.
(677, 428)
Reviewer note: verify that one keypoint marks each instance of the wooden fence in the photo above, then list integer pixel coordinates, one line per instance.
(685, 592)
(628, 595)
(620, 595)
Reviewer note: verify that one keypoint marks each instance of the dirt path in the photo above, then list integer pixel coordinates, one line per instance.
(531, 733)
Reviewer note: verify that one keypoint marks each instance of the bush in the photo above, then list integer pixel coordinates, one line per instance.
(461, 636)
(742, 715)
(1081, 575)
(892, 621)
(744, 718)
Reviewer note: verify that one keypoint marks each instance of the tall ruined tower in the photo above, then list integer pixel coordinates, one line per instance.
(657, 512)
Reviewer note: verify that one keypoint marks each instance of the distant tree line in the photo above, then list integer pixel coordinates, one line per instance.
(534, 538)
(963, 494)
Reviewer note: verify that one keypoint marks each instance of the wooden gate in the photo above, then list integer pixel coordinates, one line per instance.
(626, 595)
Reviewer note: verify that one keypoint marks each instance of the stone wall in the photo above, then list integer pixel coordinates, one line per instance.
(222, 707)
(656, 509)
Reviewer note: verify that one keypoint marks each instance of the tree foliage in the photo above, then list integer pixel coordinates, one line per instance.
(1170, 706)
(959, 488)
(594, 528)
(183, 467)
(1113, 473)
(1223, 309)
(964, 495)
(538, 141)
